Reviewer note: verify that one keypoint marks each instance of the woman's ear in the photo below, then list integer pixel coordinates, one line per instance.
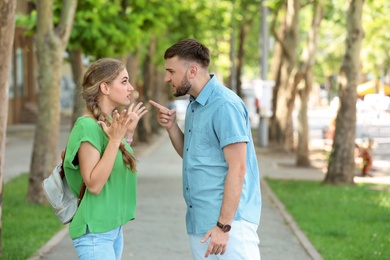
(104, 88)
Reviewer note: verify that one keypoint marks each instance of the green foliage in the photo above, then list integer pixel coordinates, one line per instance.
(342, 222)
(331, 42)
(28, 22)
(208, 22)
(376, 44)
(26, 227)
(275, 5)
(114, 28)
(252, 56)
(117, 27)
(101, 28)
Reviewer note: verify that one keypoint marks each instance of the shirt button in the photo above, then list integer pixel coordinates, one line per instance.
(193, 111)
(191, 206)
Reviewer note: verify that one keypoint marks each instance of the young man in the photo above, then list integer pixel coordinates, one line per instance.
(221, 183)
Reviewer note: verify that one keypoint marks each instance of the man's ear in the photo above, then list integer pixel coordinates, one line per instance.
(193, 71)
(104, 88)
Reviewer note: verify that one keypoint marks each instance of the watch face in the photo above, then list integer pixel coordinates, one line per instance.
(226, 228)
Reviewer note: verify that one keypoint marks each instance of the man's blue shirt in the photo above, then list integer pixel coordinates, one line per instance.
(215, 119)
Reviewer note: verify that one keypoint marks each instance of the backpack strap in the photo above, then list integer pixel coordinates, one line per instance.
(62, 174)
(81, 194)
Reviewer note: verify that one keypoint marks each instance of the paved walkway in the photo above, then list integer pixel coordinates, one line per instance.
(158, 232)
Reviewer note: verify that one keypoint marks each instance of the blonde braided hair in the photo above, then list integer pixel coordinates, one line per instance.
(103, 70)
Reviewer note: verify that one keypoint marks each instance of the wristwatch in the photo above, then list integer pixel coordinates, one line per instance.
(225, 228)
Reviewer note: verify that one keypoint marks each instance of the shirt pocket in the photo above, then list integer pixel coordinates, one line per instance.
(202, 143)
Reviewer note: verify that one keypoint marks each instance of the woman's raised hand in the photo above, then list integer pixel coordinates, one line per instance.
(119, 125)
(135, 113)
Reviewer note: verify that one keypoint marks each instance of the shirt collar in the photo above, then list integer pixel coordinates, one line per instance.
(206, 91)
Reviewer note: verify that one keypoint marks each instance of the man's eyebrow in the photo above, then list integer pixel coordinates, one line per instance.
(169, 69)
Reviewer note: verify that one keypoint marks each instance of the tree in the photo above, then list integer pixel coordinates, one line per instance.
(305, 81)
(101, 29)
(341, 167)
(376, 43)
(249, 11)
(50, 47)
(120, 29)
(285, 72)
(148, 88)
(7, 30)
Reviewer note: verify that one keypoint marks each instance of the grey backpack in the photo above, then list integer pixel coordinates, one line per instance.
(59, 195)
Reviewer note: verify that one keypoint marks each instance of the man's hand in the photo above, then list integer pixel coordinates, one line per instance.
(218, 241)
(165, 117)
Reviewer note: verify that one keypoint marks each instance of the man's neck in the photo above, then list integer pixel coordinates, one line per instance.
(199, 84)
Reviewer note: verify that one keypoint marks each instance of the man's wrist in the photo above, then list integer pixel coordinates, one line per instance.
(225, 227)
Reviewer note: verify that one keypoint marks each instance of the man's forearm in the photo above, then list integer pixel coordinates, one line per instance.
(177, 138)
(231, 196)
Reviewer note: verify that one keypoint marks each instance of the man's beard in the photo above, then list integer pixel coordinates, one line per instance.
(183, 88)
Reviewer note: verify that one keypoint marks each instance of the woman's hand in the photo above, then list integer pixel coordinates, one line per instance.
(119, 125)
(135, 113)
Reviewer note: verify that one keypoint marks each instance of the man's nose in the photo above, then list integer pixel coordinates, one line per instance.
(167, 78)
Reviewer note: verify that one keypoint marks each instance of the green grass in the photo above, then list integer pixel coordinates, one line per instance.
(26, 227)
(341, 222)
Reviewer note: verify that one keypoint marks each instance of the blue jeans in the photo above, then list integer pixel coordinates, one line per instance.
(104, 246)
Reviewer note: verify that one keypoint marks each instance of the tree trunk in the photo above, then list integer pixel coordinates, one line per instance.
(232, 76)
(7, 30)
(287, 87)
(50, 46)
(144, 127)
(132, 65)
(308, 59)
(152, 89)
(341, 167)
(275, 76)
(240, 58)
(161, 95)
(302, 155)
(78, 72)
(245, 26)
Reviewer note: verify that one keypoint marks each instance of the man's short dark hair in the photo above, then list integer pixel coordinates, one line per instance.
(189, 50)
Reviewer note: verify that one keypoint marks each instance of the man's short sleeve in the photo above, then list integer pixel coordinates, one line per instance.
(231, 124)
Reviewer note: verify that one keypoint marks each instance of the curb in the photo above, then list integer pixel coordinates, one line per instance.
(50, 244)
(303, 240)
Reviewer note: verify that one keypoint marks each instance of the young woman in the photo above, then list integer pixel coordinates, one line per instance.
(99, 155)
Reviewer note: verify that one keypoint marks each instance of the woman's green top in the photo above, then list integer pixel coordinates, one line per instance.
(115, 205)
